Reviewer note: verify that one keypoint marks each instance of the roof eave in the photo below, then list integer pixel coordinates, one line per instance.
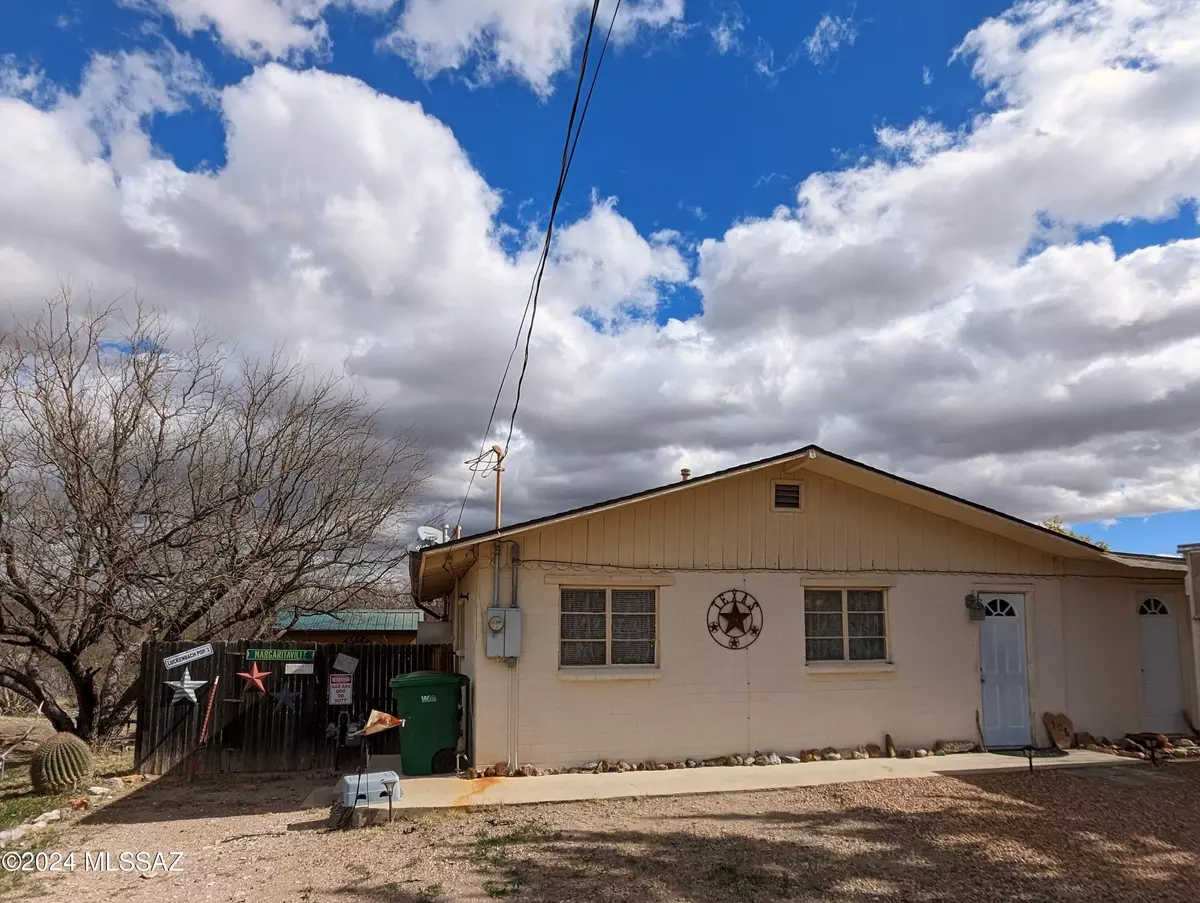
(1033, 534)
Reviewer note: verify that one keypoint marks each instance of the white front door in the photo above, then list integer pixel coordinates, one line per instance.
(1162, 695)
(1003, 678)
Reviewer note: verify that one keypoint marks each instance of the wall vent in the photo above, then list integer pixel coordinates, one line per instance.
(788, 497)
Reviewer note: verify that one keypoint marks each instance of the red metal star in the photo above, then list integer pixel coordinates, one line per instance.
(254, 678)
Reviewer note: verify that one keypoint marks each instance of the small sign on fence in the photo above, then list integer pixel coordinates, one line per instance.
(340, 689)
(345, 663)
(188, 655)
(298, 668)
(280, 655)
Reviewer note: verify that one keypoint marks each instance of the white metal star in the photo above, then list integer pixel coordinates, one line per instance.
(185, 687)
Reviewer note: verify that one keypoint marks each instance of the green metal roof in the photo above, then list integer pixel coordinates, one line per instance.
(353, 620)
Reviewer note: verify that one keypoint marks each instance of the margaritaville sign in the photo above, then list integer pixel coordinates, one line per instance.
(280, 655)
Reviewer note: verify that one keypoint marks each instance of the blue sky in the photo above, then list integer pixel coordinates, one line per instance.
(1159, 534)
(905, 144)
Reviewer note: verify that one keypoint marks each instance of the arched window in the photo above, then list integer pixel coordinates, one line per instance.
(1153, 607)
(999, 608)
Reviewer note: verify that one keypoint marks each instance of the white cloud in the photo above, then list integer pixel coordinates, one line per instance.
(828, 37)
(119, 91)
(926, 76)
(260, 29)
(929, 309)
(369, 261)
(764, 181)
(531, 40)
(766, 65)
(726, 34)
(28, 82)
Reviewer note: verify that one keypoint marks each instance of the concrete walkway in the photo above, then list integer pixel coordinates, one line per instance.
(448, 791)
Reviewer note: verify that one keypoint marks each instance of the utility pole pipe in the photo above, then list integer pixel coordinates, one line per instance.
(496, 554)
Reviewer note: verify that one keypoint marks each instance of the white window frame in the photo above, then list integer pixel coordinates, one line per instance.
(803, 496)
(845, 591)
(608, 624)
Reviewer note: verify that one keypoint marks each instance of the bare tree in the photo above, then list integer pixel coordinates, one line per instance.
(157, 489)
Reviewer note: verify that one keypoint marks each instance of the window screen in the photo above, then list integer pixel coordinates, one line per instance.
(844, 625)
(823, 640)
(582, 631)
(633, 626)
(600, 627)
(865, 625)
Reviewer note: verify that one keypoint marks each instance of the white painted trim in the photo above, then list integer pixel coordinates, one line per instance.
(611, 672)
(887, 627)
(858, 580)
(799, 465)
(608, 633)
(1007, 589)
(849, 667)
(633, 581)
(803, 496)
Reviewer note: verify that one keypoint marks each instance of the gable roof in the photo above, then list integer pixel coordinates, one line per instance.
(352, 620)
(820, 460)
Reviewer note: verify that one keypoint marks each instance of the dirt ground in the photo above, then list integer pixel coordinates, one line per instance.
(1095, 834)
(33, 729)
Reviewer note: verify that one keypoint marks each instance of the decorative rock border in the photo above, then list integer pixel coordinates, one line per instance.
(1139, 746)
(828, 754)
(1133, 746)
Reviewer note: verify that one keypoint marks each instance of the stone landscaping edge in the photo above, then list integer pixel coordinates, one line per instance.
(1133, 746)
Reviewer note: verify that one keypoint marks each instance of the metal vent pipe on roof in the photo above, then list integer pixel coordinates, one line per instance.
(685, 474)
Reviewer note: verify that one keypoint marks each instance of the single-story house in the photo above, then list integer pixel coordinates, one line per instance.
(352, 625)
(803, 601)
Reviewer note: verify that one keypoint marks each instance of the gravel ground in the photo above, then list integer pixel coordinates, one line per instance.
(1096, 834)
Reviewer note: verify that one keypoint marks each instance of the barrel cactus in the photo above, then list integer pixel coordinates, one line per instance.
(63, 762)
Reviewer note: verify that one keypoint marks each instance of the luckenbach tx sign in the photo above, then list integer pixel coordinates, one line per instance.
(188, 655)
(280, 655)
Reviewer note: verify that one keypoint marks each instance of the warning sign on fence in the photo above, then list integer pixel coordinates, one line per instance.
(340, 689)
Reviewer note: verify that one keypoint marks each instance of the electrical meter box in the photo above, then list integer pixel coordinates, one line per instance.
(502, 627)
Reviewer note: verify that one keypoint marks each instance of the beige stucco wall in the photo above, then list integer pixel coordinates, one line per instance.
(1102, 651)
(705, 700)
(1192, 641)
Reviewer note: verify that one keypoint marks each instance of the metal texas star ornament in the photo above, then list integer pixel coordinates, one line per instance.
(185, 688)
(735, 619)
(254, 678)
(285, 699)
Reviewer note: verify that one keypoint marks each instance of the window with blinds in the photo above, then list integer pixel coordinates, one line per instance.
(600, 627)
(845, 625)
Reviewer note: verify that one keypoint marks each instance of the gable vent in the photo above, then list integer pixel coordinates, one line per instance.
(787, 496)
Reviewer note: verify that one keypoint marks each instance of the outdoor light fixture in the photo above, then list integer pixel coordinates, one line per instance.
(390, 780)
(974, 607)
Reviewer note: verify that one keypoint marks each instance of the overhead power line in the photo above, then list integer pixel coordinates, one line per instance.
(530, 312)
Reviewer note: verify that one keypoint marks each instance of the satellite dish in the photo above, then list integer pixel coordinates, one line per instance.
(430, 534)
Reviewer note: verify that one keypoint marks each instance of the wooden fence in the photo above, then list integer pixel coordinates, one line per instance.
(252, 731)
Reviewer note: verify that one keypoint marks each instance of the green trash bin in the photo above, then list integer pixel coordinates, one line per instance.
(428, 701)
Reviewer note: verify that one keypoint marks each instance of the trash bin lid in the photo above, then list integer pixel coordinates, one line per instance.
(427, 679)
